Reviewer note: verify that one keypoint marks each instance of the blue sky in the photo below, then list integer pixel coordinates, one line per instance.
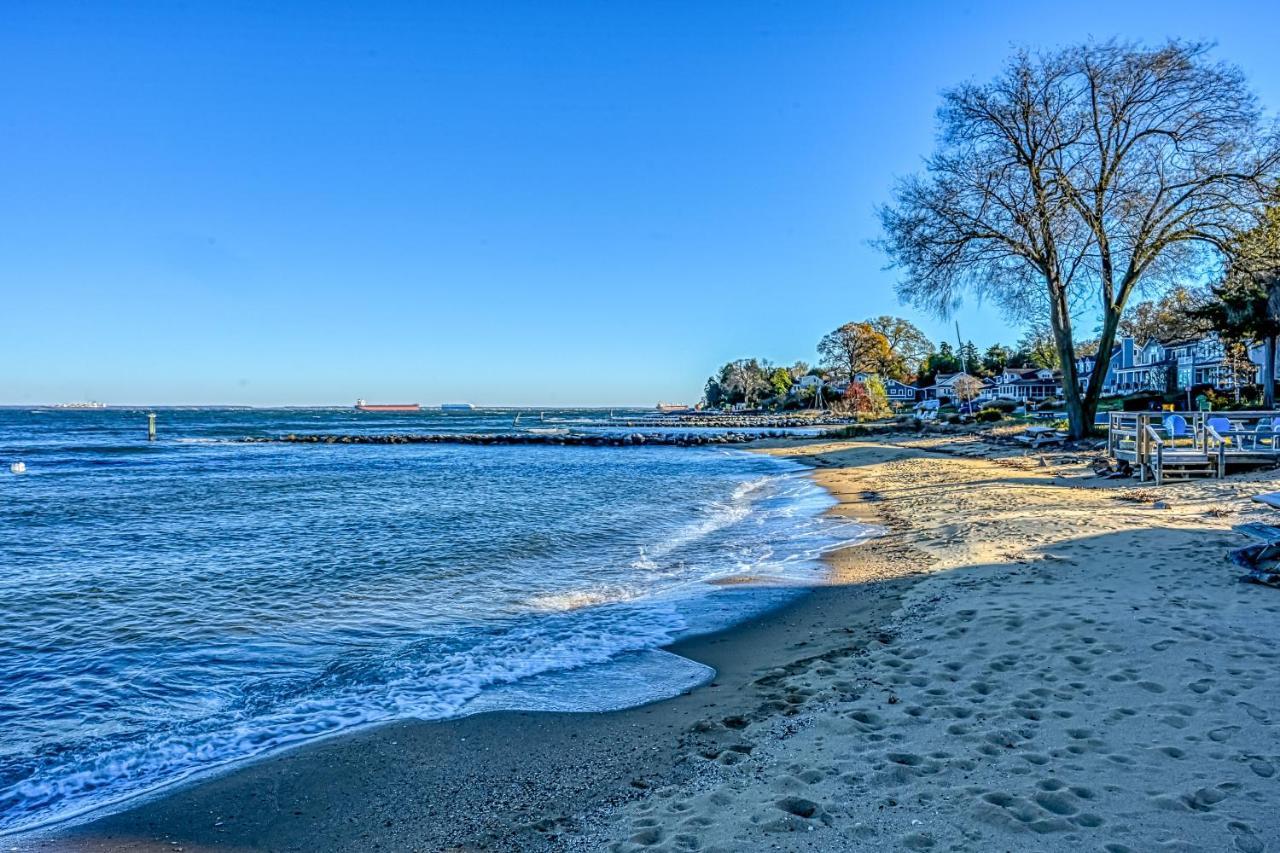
(516, 203)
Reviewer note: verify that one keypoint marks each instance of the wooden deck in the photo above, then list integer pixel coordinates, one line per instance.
(1180, 445)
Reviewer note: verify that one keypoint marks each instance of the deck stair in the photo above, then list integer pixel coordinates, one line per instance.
(1187, 466)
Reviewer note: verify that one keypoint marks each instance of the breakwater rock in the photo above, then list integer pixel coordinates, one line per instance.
(735, 421)
(570, 440)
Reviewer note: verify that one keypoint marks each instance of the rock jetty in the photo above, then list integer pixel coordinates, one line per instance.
(634, 439)
(734, 421)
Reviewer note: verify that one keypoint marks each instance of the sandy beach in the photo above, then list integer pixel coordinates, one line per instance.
(1030, 658)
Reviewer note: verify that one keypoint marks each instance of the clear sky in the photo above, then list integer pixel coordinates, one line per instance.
(511, 203)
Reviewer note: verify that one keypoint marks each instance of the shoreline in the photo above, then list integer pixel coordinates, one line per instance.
(1030, 657)
(160, 820)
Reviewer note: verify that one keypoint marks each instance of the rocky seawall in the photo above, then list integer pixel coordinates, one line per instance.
(627, 440)
(729, 421)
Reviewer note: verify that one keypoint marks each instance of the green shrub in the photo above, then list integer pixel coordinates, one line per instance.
(990, 414)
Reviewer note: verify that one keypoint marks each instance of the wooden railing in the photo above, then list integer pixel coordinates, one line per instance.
(1156, 459)
(1218, 435)
(1213, 440)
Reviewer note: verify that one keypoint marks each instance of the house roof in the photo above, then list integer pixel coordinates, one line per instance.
(1034, 380)
(1029, 372)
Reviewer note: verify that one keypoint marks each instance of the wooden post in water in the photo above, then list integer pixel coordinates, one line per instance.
(151, 426)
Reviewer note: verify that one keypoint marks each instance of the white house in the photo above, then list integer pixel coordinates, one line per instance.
(1031, 383)
(943, 386)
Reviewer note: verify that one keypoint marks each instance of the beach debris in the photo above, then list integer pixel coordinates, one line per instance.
(1162, 504)
(1111, 469)
(1138, 496)
(1261, 561)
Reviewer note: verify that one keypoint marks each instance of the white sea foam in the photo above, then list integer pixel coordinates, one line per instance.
(577, 644)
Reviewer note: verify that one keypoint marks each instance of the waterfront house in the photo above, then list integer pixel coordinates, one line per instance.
(897, 392)
(943, 387)
(1167, 366)
(900, 392)
(1029, 383)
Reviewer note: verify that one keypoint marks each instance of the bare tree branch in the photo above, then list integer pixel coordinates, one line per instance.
(1077, 177)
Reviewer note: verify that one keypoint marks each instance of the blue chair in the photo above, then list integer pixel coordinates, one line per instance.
(1265, 433)
(1175, 426)
(1222, 426)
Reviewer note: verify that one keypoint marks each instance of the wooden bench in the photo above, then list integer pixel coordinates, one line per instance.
(1038, 437)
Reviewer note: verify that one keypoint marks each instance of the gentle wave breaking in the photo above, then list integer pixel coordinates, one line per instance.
(196, 602)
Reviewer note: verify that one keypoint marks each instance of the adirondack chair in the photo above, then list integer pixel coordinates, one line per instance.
(1264, 434)
(1175, 426)
(1221, 426)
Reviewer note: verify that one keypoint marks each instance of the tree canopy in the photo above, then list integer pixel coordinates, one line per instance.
(855, 348)
(1248, 305)
(907, 344)
(1177, 315)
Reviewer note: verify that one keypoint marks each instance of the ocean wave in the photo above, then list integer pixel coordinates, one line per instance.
(283, 598)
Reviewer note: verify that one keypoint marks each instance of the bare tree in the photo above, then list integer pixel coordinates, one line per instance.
(967, 388)
(1075, 177)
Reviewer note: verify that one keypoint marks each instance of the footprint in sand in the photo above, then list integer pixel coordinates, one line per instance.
(1245, 840)
(1262, 767)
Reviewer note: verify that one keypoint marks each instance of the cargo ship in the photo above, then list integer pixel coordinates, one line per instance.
(90, 405)
(362, 406)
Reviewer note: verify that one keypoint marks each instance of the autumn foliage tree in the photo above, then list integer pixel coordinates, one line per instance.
(855, 348)
(908, 346)
(867, 398)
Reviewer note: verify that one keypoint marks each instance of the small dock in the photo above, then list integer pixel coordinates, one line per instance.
(1184, 445)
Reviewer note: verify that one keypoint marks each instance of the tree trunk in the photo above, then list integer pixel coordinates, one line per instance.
(1093, 391)
(1269, 373)
(1060, 321)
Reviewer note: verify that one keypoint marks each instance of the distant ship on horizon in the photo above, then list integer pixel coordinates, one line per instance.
(456, 407)
(93, 404)
(362, 406)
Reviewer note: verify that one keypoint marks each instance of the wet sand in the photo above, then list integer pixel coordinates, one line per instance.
(1030, 658)
(513, 780)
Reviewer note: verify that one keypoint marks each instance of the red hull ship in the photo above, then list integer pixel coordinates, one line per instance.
(362, 406)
